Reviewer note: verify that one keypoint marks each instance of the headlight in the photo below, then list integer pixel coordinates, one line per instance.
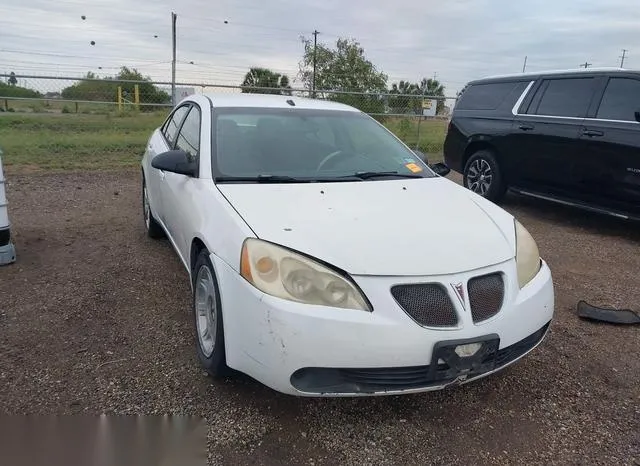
(527, 255)
(279, 272)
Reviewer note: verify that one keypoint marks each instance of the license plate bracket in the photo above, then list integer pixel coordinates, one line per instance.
(464, 367)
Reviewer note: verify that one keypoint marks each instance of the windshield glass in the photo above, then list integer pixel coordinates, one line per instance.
(278, 145)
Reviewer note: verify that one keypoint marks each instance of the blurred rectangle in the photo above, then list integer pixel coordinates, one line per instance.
(106, 440)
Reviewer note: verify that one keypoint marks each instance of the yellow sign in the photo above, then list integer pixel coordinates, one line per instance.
(413, 167)
(427, 104)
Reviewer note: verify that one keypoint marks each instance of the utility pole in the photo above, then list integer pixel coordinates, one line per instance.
(524, 67)
(315, 46)
(586, 65)
(174, 17)
(624, 55)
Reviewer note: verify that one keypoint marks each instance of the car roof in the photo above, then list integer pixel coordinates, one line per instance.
(567, 72)
(222, 100)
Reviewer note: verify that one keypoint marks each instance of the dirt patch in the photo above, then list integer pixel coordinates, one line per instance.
(95, 318)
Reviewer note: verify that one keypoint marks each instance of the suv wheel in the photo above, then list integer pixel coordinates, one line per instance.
(482, 175)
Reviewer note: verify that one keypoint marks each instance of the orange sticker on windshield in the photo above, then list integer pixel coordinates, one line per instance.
(413, 167)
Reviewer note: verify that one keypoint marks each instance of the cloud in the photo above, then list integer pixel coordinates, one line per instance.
(459, 40)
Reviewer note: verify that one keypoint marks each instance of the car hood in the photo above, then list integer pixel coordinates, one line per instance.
(429, 226)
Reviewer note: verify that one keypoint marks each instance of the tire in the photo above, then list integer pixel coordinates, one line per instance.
(483, 176)
(207, 318)
(154, 230)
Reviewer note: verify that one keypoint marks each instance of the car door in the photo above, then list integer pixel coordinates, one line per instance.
(609, 167)
(162, 141)
(545, 137)
(179, 189)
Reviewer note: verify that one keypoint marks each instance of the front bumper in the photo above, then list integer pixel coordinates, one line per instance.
(7, 249)
(321, 351)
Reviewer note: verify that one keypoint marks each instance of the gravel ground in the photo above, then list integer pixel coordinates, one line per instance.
(94, 317)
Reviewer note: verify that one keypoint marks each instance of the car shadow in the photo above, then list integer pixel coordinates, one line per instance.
(573, 217)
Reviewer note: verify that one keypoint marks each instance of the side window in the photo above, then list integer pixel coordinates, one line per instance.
(563, 97)
(621, 100)
(488, 96)
(189, 136)
(172, 125)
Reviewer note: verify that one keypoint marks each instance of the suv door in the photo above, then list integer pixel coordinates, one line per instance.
(545, 137)
(178, 190)
(609, 167)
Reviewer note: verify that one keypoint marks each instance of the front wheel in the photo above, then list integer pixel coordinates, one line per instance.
(483, 176)
(207, 311)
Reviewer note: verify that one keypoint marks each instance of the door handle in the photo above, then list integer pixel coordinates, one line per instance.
(524, 127)
(592, 133)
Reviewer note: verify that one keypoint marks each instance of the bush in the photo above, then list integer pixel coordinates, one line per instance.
(66, 109)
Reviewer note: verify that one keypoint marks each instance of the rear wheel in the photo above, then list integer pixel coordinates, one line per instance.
(483, 176)
(154, 230)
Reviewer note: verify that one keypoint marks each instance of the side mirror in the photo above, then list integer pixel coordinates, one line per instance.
(637, 115)
(175, 161)
(440, 169)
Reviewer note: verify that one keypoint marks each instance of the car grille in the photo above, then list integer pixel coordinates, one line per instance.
(381, 379)
(486, 294)
(427, 303)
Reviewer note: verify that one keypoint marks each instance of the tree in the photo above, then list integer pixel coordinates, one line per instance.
(428, 88)
(8, 90)
(148, 92)
(264, 78)
(343, 68)
(106, 89)
(12, 81)
(403, 103)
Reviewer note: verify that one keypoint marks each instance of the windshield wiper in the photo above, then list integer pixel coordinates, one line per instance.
(262, 179)
(283, 179)
(369, 175)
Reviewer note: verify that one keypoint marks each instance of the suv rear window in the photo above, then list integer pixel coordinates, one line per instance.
(621, 100)
(563, 97)
(486, 96)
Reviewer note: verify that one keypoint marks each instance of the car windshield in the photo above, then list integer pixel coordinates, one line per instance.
(297, 145)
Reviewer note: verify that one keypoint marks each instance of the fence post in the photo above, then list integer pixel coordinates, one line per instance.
(7, 250)
(119, 98)
(6, 105)
(136, 96)
(76, 106)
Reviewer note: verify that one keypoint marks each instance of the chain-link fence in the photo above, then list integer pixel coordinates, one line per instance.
(53, 122)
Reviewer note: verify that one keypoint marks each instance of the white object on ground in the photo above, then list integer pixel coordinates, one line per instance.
(7, 250)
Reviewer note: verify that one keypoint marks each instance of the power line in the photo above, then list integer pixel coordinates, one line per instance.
(586, 65)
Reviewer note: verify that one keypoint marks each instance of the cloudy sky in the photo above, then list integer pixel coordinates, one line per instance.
(456, 40)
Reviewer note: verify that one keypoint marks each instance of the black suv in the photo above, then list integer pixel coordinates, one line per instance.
(568, 136)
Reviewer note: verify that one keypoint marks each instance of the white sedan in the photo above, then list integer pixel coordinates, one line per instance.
(328, 259)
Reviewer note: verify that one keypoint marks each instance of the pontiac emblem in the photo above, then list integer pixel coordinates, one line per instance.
(459, 289)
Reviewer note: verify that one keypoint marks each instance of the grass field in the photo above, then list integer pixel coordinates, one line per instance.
(34, 142)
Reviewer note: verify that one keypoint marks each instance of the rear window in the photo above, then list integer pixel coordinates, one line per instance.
(621, 100)
(563, 97)
(487, 96)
